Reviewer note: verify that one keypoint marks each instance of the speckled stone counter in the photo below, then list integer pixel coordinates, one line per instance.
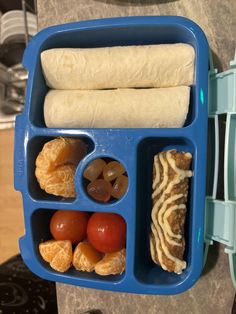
(214, 292)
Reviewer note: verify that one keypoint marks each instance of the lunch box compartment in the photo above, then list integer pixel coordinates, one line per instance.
(106, 36)
(85, 182)
(35, 145)
(39, 227)
(145, 269)
(38, 91)
(40, 220)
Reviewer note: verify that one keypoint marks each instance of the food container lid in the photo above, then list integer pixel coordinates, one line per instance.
(220, 214)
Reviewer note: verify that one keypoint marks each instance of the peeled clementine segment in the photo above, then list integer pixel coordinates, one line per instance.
(57, 253)
(59, 182)
(85, 257)
(56, 165)
(112, 263)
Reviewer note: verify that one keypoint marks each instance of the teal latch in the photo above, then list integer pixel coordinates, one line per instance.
(221, 223)
(220, 218)
(222, 88)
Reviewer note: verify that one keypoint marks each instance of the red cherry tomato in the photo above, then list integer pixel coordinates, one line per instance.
(106, 232)
(69, 225)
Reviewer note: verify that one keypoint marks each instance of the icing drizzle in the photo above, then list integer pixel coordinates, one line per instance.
(164, 206)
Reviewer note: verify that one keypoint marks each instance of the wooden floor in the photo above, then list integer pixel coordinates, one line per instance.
(11, 213)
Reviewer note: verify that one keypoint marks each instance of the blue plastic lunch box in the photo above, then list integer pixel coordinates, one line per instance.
(134, 148)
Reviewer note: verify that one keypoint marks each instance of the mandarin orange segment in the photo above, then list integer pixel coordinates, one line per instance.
(72, 150)
(57, 253)
(85, 257)
(49, 249)
(59, 182)
(56, 165)
(112, 263)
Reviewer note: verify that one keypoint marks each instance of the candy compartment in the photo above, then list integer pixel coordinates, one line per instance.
(105, 180)
(39, 225)
(145, 270)
(35, 145)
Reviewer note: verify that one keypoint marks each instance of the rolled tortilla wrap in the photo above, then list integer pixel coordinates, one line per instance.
(121, 108)
(163, 65)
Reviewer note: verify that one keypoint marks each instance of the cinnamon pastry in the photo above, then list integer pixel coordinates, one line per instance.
(170, 189)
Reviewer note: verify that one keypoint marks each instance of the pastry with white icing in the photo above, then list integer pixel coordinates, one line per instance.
(170, 190)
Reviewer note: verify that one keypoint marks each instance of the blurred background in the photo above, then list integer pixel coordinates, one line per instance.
(18, 23)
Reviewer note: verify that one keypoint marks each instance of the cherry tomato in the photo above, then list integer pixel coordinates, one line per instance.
(107, 232)
(69, 225)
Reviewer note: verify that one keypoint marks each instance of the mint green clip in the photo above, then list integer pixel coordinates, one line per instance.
(220, 216)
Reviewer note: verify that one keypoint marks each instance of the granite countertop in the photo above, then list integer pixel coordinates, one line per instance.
(214, 292)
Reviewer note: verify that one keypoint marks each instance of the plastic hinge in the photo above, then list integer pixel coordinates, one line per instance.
(220, 223)
(222, 90)
(220, 216)
(220, 226)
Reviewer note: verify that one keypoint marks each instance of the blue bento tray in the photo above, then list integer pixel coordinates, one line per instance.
(134, 148)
